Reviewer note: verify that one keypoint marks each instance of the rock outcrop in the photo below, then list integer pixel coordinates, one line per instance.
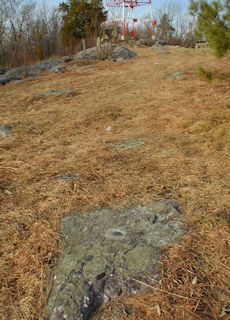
(108, 52)
(111, 52)
(29, 71)
(105, 252)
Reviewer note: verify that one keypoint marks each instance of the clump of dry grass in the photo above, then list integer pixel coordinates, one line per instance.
(185, 157)
(205, 74)
(104, 52)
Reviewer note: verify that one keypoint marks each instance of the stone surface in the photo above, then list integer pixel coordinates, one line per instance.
(55, 93)
(43, 66)
(27, 71)
(87, 55)
(8, 79)
(16, 72)
(2, 71)
(128, 144)
(68, 177)
(175, 76)
(114, 53)
(105, 251)
(58, 69)
(5, 131)
(3, 82)
(67, 59)
(124, 53)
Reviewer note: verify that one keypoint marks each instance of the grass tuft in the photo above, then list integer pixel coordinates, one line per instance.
(205, 74)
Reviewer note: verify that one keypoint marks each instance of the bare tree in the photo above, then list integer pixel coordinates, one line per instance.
(28, 32)
(180, 21)
(3, 21)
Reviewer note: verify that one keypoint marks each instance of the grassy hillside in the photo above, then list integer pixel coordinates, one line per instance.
(184, 120)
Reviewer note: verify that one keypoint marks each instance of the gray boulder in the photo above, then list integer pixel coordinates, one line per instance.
(58, 69)
(108, 52)
(43, 66)
(122, 53)
(67, 59)
(3, 82)
(2, 71)
(30, 71)
(87, 55)
(13, 75)
(6, 79)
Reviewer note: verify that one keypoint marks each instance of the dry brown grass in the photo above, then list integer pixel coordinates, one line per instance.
(185, 124)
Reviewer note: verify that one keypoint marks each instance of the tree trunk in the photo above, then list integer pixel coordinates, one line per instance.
(98, 43)
(83, 44)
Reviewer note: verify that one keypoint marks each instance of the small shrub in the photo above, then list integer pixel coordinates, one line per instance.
(205, 74)
(104, 52)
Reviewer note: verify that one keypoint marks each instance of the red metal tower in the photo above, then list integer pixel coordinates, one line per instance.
(129, 13)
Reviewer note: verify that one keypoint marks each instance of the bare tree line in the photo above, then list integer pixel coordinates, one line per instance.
(182, 23)
(28, 32)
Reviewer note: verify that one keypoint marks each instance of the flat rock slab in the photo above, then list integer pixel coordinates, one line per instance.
(68, 177)
(55, 93)
(5, 131)
(128, 144)
(175, 76)
(105, 250)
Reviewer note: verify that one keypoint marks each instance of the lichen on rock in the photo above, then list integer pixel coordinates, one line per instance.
(105, 251)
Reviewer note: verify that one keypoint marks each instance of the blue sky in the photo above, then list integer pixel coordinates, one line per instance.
(156, 3)
(160, 3)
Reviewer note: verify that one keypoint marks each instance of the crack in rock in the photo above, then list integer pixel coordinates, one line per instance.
(104, 251)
